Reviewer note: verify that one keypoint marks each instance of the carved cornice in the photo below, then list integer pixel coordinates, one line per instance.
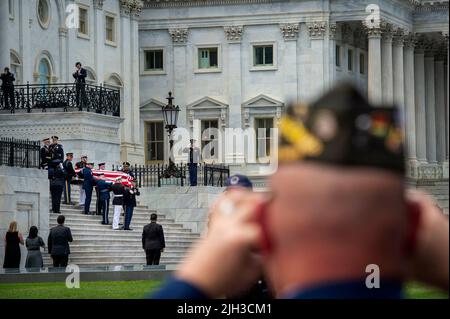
(332, 30)
(317, 29)
(196, 3)
(387, 30)
(425, 6)
(289, 31)
(179, 35)
(98, 4)
(233, 33)
(131, 7)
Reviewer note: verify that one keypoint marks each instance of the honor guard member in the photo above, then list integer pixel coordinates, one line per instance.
(118, 190)
(56, 175)
(8, 88)
(70, 173)
(80, 165)
(129, 201)
(56, 150)
(88, 186)
(101, 167)
(45, 154)
(126, 168)
(104, 187)
(194, 159)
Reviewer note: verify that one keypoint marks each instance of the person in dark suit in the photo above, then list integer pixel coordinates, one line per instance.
(88, 186)
(70, 173)
(58, 243)
(103, 188)
(56, 149)
(80, 75)
(153, 241)
(8, 88)
(45, 153)
(57, 176)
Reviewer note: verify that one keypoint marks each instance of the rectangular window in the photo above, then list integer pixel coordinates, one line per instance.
(110, 26)
(153, 60)
(362, 63)
(83, 21)
(350, 60)
(155, 141)
(263, 126)
(338, 55)
(11, 8)
(209, 139)
(263, 55)
(208, 58)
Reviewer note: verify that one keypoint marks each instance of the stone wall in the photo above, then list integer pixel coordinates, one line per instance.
(24, 197)
(83, 133)
(187, 205)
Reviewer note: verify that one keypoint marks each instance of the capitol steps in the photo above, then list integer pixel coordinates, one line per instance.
(439, 190)
(97, 244)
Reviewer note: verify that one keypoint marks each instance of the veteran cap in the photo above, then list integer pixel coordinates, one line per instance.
(342, 128)
(238, 181)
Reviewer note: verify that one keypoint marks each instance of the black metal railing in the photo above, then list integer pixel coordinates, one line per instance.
(19, 153)
(152, 175)
(62, 97)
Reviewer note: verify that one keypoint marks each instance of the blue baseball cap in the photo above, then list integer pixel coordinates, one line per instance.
(238, 181)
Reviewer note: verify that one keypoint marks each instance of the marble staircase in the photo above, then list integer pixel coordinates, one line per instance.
(438, 189)
(97, 244)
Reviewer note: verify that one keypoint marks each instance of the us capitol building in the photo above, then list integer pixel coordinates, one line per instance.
(228, 63)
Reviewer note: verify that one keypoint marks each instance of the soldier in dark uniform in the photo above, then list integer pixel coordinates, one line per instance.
(70, 173)
(45, 154)
(129, 201)
(56, 149)
(104, 188)
(194, 159)
(88, 186)
(98, 209)
(56, 175)
(8, 88)
(118, 190)
(126, 168)
(80, 165)
(80, 75)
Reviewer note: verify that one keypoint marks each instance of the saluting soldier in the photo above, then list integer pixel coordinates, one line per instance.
(46, 156)
(80, 165)
(56, 175)
(70, 173)
(98, 209)
(56, 149)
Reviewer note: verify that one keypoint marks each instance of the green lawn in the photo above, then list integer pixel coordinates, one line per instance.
(134, 289)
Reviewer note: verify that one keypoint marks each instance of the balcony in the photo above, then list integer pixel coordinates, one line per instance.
(61, 97)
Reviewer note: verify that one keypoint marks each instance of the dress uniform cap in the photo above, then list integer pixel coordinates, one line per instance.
(342, 128)
(55, 137)
(46, 139)
(69, 154)
(238, 181)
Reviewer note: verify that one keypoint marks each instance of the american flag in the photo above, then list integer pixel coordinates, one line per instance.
(109, 176)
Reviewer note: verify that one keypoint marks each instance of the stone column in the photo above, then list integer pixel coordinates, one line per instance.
(318, 83)
(430, 113)
(63, 76)
(374, 68)
(99, 40)
(410, 107)
(332, 54)
(440, 106)
(419, 96)
(290, 33)
(386, 65)
(5, 37)
(398, 70)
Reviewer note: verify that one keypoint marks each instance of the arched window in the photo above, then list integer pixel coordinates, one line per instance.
(16, 67)
(114, 82)
(44, 72)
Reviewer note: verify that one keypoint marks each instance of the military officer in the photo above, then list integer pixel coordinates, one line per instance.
(80, 165)
(88, 185)
(70, 173)
(126, 168)
(56, 149)
(56, 175)
(194, 159)
(119, 191)
(104, 187)
(8, 88)
(46, 156)
(98, 211)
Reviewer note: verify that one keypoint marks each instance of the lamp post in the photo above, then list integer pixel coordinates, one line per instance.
(170, 115)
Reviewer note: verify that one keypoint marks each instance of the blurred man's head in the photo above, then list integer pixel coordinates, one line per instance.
(46, 141)
(55, 139)
(153, 217)
(101, 166)
(61, 219)
(90, 165)
(78, 65)
(69, 156)
(337, 198)
(84, 158)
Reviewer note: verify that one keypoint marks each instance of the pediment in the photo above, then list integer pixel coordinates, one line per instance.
(206, 103)
(152, 105)
(262, 101)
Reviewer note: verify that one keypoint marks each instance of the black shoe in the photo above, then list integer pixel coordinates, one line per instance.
(128, 229)
(103, 223)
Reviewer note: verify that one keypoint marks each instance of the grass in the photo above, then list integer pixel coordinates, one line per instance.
(137, 290)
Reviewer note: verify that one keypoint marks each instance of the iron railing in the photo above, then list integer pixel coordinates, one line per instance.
(19, 153)
(62, 97)
(152, 175)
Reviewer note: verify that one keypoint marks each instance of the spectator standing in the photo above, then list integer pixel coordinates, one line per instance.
(153, 241)
(8, 88)
(12, 249)
(58, 243)
(34, 244)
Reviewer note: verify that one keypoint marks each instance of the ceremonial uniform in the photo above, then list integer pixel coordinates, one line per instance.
(70, 173)
(130, 204)
(118, 190)
(82, 199)
(56, 175)
(57, 152)
(88, 186)
(46, 156)
(194, 159)
(98, 209)
(104, 188)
